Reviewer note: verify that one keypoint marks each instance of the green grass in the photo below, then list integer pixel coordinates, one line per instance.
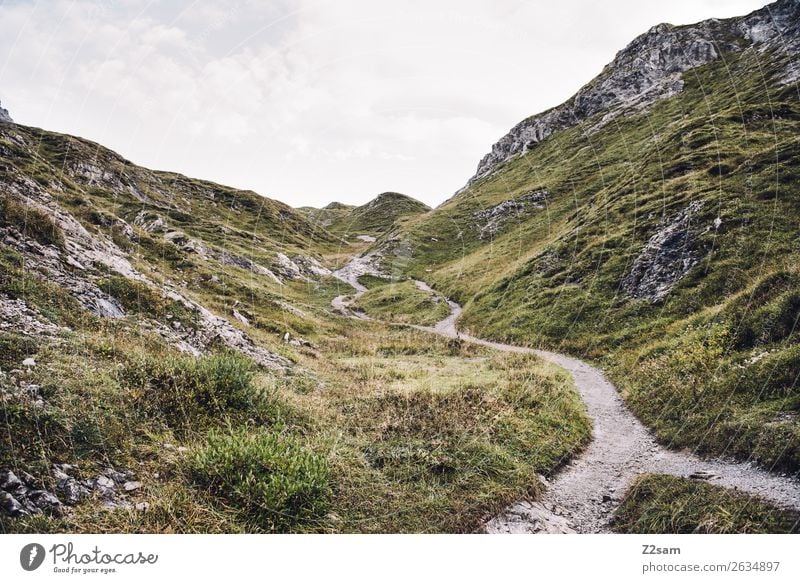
(272, 478)
(383, 429)
(659, 504)
(31, 222)
(190, 394)
(440, 435)
(403, 303)
(552, 277)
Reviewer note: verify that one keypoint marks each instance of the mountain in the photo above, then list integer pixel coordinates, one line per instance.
(375, 218)
(652, 67)
(174, 356)
(170, 361)
(109, 233)
(650, 223)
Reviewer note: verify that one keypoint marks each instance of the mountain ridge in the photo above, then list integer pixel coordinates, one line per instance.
(372, 219)
(651, 68)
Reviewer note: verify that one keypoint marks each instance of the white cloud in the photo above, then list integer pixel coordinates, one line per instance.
(310, 101)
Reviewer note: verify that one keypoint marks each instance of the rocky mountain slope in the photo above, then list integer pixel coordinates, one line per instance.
(81, 217)
(650, 223)
(652, 67)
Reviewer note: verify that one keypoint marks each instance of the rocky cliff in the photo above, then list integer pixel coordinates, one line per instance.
(4, 115)
(651, 68)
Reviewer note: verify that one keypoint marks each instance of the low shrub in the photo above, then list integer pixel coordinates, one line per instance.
(193, 393)
(270, 477)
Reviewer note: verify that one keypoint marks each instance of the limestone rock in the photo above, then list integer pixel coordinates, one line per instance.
(490, 220)
(4, 115)
(651, 68)
(668, 255)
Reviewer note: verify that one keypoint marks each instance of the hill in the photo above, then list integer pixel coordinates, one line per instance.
(170, 362)
(649, 223)
(373, 219)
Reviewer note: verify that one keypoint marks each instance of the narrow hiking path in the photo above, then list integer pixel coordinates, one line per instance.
(585, 492)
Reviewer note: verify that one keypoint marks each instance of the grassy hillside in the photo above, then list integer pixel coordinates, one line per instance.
(404, 303)
(708, 179)
(170, 362)
(379, 216)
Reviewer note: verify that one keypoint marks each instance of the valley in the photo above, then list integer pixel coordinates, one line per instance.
(597, 333)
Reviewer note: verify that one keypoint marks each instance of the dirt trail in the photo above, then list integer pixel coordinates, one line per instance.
(349, 274)
(583, 495)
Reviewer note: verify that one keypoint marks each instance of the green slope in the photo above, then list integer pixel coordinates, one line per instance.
(375, 218)
(711, 175)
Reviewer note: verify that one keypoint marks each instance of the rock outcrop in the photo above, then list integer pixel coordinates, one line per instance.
(651, 68)
(25, 495)
(666, 258)
(4, 115)
(490, 221)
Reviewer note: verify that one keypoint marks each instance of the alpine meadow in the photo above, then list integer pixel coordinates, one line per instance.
(598, 333)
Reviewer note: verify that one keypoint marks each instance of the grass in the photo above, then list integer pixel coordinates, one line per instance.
(31, 222)
(715, 365)
(272, 478)
(190, 394)
(441, 434)
(381, 430)
(403, 303)
(659, 504)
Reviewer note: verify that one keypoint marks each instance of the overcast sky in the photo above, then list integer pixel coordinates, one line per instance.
(312, 101)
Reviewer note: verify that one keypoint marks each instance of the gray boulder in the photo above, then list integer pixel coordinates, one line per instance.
(666, 257)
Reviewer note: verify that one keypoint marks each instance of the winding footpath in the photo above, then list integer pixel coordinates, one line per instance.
(584, 494)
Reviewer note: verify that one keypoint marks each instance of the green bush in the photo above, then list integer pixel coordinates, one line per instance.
(190, 393)
(270, 477)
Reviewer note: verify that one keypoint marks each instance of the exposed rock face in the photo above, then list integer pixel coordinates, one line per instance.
(300, 267)
(24, 495)
(651, 68)
(490, 220)
(86, 256)
(18, 316)
(183, 241)
(666, 257)
(21, 497)
(4, 116)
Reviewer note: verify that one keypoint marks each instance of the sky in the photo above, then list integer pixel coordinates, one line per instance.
(311, 101)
